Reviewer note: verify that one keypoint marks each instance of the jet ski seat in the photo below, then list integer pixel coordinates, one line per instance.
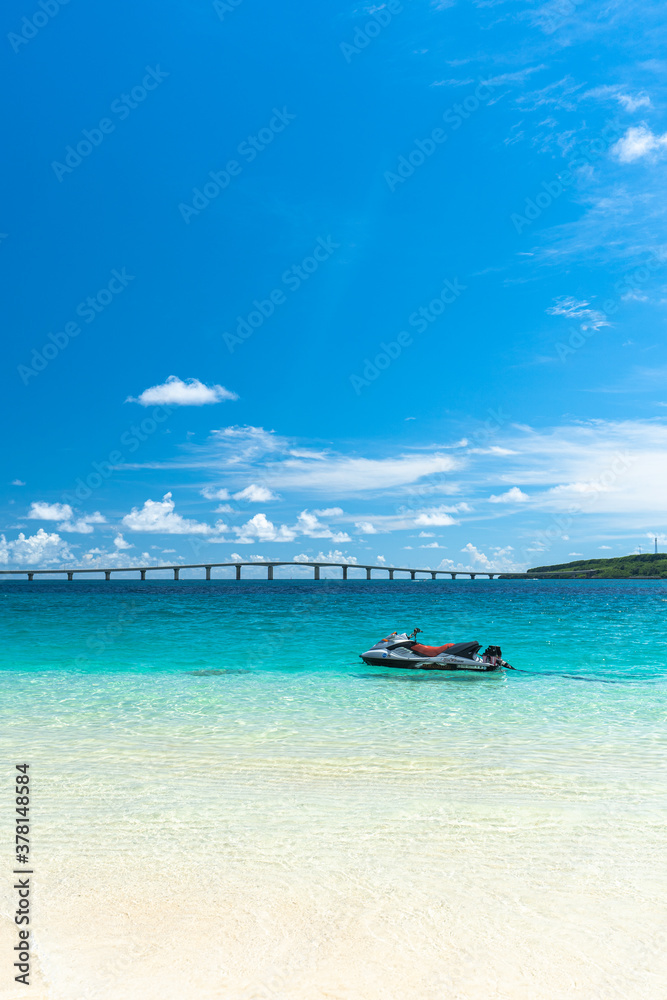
(430, 650)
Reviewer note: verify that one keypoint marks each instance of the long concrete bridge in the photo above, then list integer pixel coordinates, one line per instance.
(269, 564)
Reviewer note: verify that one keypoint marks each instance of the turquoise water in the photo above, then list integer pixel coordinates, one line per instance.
(345, 815)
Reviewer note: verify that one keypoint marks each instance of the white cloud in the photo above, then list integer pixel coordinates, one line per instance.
(604, 546)
(515, 495)
(224, 508)
(175, 392)
(213, 493)
(571, 308)
(256, 494)
(120, 543)
(260, 529)
(17, 482)
(50, 511)
(158, 516)
(340, 474)
(40, 549)
(308, 524)
(104, 558)
(365, 528)
(629, 102)
(243, 444)
(81, 524)
(436, 517)
(335, 556)
(575, 553)
(637, 142)
(501, 560)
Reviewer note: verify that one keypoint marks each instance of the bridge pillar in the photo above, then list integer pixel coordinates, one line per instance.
(391, 574)
(317, 573)
(491, 576)
(70, 576)
(345, 572)
(238, 571)
(472, 576)
(270, 573)
(176, 572)
(368, 572)
(432, 576)
(412, 574)
(143, 574)
(208, 572)
(453, 576)
(107, 574)
(30, 576)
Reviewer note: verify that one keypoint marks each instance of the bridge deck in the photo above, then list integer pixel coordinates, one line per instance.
(269, 564)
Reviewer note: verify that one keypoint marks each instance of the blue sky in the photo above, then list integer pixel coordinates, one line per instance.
(384, 281)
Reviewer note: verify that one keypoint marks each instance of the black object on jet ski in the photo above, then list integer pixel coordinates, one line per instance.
(403, 651)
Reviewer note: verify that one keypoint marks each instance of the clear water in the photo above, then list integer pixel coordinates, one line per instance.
(229, 803)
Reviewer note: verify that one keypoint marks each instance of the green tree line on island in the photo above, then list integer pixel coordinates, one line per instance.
(648, 564)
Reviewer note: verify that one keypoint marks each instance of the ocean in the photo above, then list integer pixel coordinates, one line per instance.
(227, 803)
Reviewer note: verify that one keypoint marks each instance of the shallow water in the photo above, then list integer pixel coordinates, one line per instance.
(229, 803)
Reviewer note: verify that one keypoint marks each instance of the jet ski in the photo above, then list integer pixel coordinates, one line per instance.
(404, 652)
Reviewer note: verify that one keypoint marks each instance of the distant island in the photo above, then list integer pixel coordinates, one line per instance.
(651, 565)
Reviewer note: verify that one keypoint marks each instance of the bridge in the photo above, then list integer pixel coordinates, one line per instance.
(270, 566)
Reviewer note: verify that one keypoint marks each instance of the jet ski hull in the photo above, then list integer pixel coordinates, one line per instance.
(424, 663)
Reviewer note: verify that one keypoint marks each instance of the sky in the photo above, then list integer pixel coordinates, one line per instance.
(377, 283)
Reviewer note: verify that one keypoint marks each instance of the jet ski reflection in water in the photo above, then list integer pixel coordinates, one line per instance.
(403, 651)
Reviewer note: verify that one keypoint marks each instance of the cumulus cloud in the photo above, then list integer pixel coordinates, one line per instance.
(120, 543)
(365, 528)
(70, 522)
(436, 517)
(256, 494)
(99, 558)
(215, 493)
(515, 495)
(335, 556)
(638, 141)
(159, 516)
(260, 529)
(307, 523)
(50, 511)
(176, 392)
(41, 549)
(17, 482)
(83, 525)
(500, 560)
